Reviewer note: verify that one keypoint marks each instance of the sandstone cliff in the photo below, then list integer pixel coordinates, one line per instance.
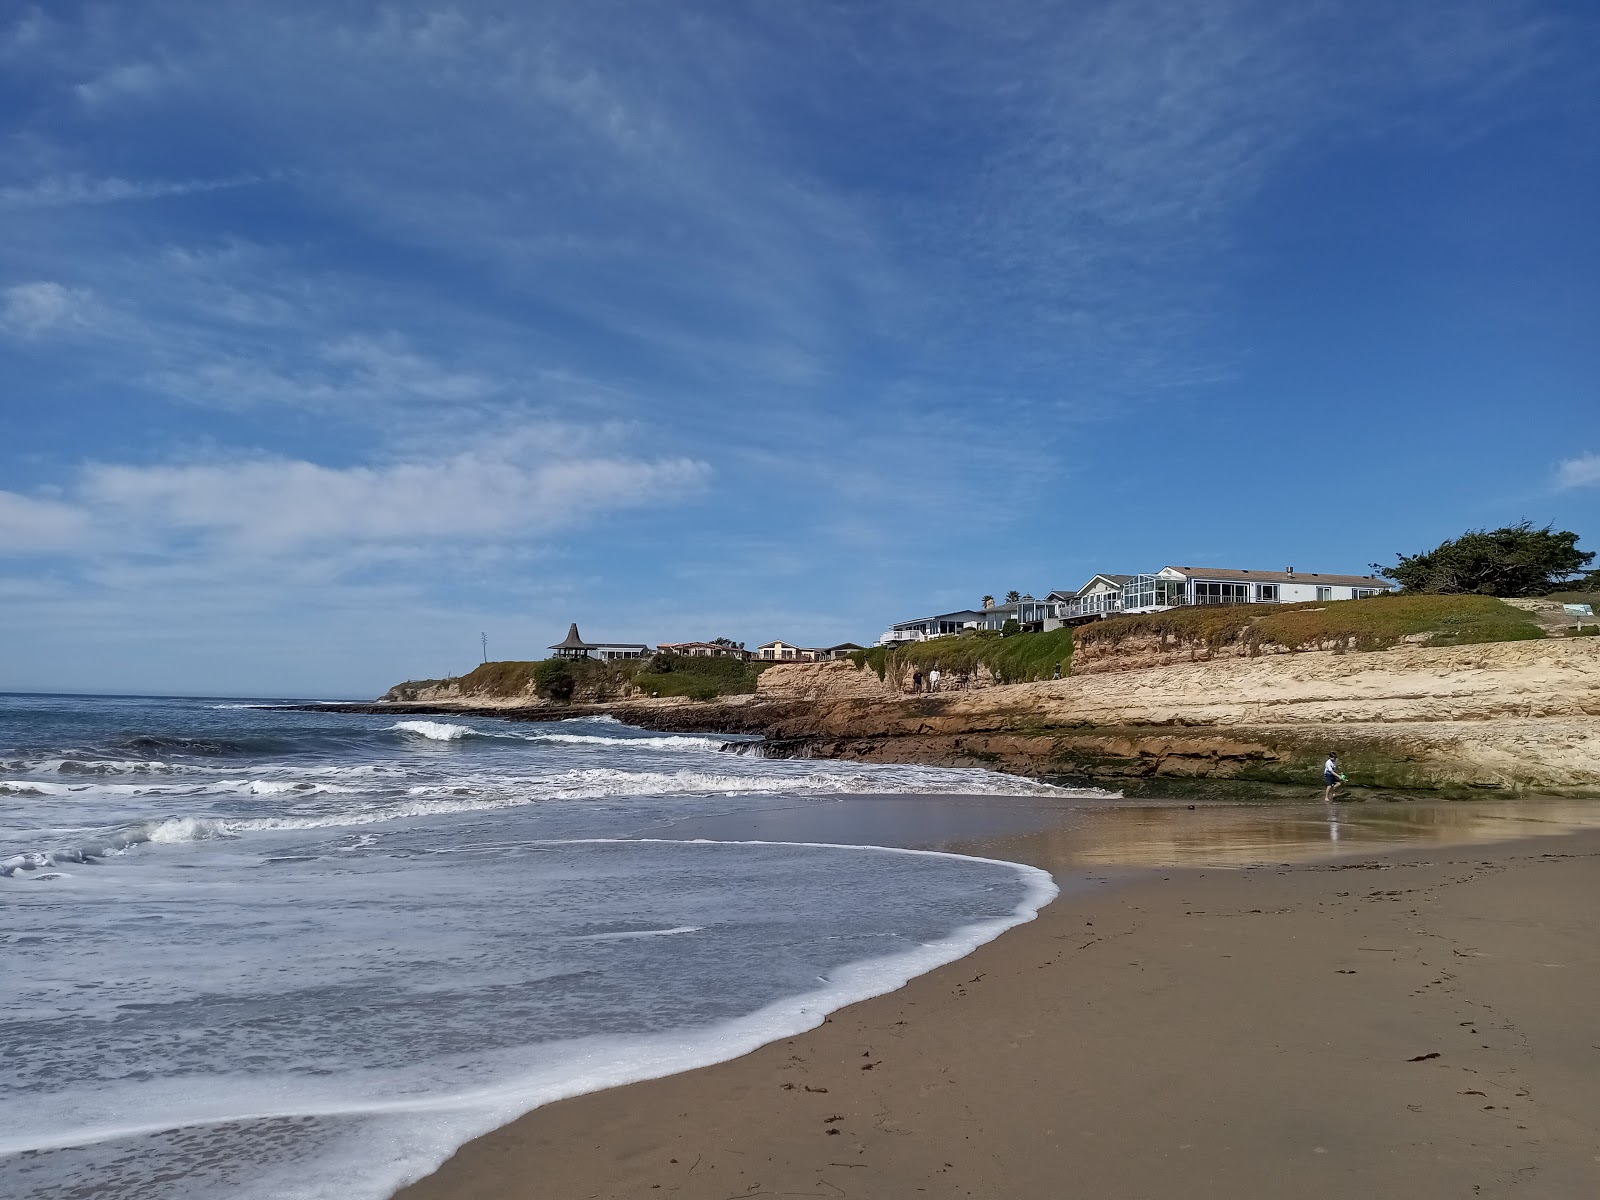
(1517, 715)
(1509, 716)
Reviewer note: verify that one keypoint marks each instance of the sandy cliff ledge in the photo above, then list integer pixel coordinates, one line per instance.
(1513, 715)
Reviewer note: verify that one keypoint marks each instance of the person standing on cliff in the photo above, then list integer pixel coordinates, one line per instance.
(1331, 778)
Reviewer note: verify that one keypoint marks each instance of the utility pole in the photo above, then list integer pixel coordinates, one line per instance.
(484, 638)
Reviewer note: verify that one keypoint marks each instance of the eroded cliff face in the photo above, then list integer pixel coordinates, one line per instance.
(1517, 716)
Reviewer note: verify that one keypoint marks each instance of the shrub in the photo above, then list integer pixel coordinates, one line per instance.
(554, 679)
(698, 678)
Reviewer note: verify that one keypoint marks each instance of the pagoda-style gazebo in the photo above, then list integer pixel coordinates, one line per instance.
(573, 646)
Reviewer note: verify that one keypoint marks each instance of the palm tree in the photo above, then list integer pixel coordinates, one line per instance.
(987, 601)
(1013, 596)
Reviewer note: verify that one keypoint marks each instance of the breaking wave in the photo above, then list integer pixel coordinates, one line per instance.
(437, 731)
(445, 731)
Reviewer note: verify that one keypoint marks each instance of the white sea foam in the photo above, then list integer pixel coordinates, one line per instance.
(32, 787)
(437, 731)
(91, 766)
(628, 934)
(409, 1125)
(662, 742)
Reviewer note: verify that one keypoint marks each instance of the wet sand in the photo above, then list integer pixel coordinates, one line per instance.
(1415, 1016)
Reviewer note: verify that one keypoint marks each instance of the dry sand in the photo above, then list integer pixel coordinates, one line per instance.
(1421, 1023)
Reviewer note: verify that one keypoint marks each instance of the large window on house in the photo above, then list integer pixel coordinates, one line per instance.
(1324, 593)
(1267, 593)
(1363, 593)
(1101, 602)
(1222, 593)
(1152, 591)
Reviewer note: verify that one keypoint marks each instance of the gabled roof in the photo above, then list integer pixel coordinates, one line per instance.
(844, 646)
(1229, 575)
(1113, 580)
(572, 641)
(1061, 594)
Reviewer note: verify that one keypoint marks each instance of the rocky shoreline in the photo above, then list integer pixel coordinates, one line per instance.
(1495, 718)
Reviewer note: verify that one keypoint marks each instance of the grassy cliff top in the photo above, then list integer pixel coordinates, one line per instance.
(1374, 623)
(1015, 659)
(592, 680)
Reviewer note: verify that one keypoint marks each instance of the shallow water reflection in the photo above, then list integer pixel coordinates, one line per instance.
(1139, 835)
(1103, 831)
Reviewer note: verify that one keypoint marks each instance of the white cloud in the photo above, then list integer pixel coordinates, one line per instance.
(28, 525)
(1583, 471)
(30, 309)
(279, 505)
(58, 190)
(122, 82)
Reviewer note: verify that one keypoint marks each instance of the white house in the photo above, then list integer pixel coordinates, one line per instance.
(781, 651)
(1212, 585)
(573, 646)
(1027, 612)
(1172, 587)
(936, 626)
(1100, 597)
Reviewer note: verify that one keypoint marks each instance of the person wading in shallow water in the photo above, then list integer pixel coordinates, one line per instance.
(1331, 778)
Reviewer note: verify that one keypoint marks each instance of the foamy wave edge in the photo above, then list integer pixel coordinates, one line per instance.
(453, 1120)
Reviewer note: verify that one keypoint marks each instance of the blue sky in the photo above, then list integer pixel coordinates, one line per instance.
(333, 334)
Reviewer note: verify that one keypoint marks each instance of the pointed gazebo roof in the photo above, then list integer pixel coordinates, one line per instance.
(572, 641)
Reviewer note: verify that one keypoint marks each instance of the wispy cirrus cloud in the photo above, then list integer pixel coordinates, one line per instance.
(42, 306)
(860, 277)
(60, 190)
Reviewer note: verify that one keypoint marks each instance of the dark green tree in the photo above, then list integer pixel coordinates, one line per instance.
(553, 679)
(1013, 596)
(1009, 627)
(1589, 583)
(1518, 560)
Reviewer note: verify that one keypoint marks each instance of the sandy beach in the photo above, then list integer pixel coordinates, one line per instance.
(1414, 1022)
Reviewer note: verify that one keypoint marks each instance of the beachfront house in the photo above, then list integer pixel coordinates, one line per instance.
(922, 628)
(1106, 595)
(1028, 612)
(718, 649)
(574, 647)
(1174, 587)
(781, 651)
(1100, 597)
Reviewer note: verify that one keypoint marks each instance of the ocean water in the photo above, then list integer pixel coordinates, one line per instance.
(253, 953)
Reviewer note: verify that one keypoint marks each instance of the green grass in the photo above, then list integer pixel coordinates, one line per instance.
(499, 679)
(699, 678)
(410, 689)
(1374, 623)
(1015, 659)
